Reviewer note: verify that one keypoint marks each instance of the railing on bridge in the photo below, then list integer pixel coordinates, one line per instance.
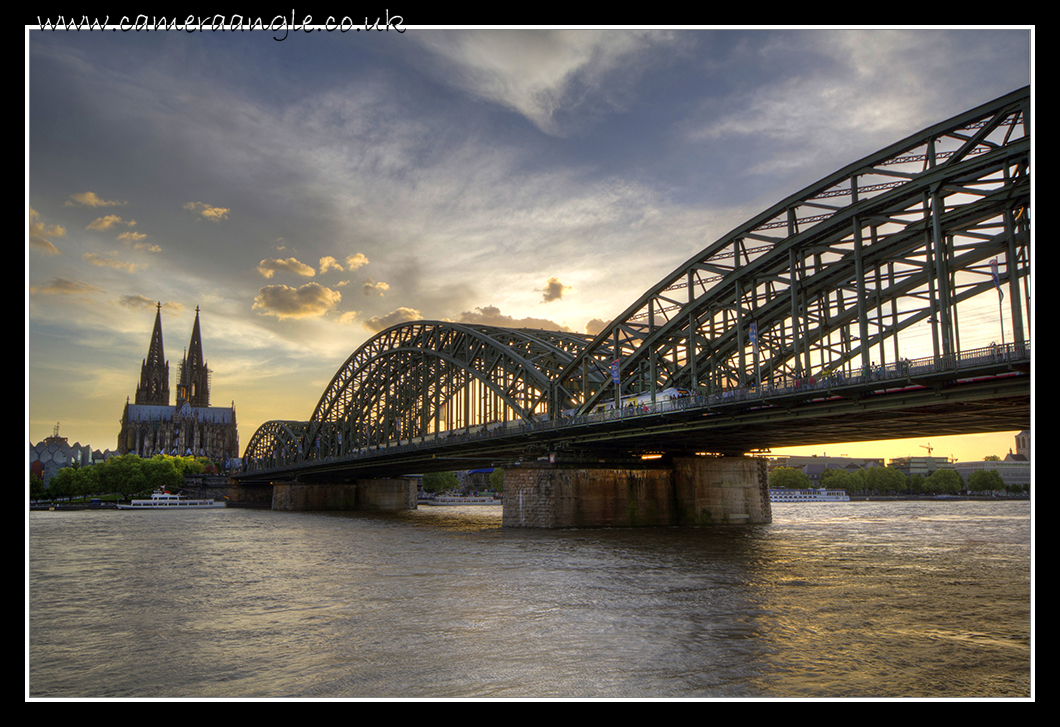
(881, 378)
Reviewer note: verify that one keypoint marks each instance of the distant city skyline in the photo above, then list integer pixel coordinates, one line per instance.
(306, 194)
(963, 448)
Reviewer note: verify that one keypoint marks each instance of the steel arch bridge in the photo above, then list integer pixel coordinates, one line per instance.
(874, 265)
(425, 379)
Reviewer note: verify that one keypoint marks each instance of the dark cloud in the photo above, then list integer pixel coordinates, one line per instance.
(401, 315)
(553, 290)
(373, 288)
(492, 316)
(64, 286)
(140, 302)
(312, 300)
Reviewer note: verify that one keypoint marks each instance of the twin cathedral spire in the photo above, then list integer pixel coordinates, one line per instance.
(193, 377)
(192, 427)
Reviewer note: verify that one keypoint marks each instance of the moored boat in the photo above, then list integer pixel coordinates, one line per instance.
(461, 500)
(162, 500)
(811, 495)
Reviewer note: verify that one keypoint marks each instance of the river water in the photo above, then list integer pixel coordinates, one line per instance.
(830, 600)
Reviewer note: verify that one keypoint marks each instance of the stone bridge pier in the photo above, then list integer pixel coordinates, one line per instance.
(682, 491)
(366, 494)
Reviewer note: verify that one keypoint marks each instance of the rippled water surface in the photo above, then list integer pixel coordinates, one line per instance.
(862, 599)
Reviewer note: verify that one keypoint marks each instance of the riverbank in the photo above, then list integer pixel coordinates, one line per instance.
(939, 498)
(65, 506)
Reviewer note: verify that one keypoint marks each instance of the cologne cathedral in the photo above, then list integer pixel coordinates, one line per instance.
(152, 426)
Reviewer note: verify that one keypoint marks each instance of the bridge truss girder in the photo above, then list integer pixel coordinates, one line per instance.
(277, 442)
(830, 278)
(419, 380)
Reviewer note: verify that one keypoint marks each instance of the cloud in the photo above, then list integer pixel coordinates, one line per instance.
(207, 211)
(39, 234)
(358, 260)
(108, 262)
(874, 86)
(312, 300)
(64, 286)
(492, 316)
(329, 263)
(373, 288)
(553, 290)
(135, 239)
(137, 302)
(540, 74)
(348, 317)
(90, 199)
(269, 266)
(108, 221)
(141, 302)
(401, 315)
(594, 326)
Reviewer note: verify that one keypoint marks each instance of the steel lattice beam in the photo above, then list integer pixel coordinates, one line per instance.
(831, 276)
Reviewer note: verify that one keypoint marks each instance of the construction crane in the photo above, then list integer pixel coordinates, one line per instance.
(929, 448)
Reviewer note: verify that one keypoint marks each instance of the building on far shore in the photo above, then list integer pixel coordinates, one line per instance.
(51, 455)
(1015, 468)
(1012, 473)
(918, 465)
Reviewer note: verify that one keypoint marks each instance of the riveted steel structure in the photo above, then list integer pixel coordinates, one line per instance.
(830, 278)
(420, 379)
(423, 379)
(873, 266)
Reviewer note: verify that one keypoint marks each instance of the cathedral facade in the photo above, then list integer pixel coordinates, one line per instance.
(150, 425)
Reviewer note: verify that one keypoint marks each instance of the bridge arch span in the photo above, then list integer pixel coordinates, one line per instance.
(876, 263)
(422, 379)
(276, 443)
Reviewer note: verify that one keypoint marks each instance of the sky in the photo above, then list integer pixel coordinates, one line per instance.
(306, 193)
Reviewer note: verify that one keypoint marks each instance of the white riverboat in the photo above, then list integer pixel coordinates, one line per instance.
(811, 495)
(161, 500)
(461, 500)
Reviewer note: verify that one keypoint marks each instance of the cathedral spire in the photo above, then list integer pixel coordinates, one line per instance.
(154, 372)
(194, 385)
